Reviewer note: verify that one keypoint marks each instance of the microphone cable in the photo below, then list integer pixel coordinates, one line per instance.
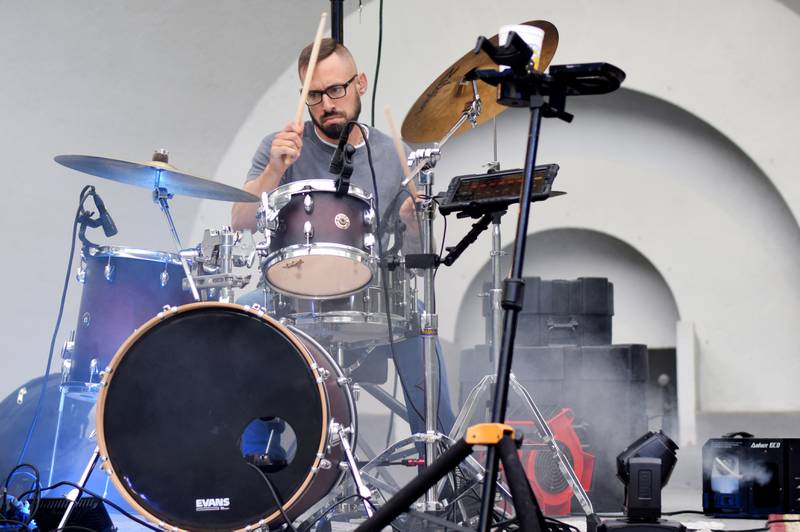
(40, 401)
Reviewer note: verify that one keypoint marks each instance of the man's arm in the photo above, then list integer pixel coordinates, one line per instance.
(408, 214)
(283, 152)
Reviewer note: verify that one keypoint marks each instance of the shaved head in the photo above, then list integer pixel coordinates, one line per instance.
(327, 48)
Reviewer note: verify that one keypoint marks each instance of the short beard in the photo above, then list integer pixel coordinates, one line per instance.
(334, 131)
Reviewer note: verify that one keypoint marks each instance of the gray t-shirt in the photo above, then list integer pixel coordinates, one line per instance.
(315, 159)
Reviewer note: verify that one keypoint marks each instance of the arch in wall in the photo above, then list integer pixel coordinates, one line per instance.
(645, 308)
(654, 176)
(667, 184)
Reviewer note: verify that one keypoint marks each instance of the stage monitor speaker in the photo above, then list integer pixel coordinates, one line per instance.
(90, 512)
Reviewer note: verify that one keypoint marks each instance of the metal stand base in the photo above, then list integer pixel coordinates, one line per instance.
(479, 397)
(75, 494)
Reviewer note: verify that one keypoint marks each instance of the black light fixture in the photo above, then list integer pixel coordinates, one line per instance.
(644, 468)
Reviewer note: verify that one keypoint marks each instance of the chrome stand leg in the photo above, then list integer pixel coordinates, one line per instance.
(75, 493)
(429, 331)
(57, 437)
(363, 491)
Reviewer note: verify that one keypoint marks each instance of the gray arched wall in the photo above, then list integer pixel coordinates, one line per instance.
(673, 188)
(704, 195)
(645, 310)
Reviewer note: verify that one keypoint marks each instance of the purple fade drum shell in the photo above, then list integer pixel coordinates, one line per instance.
(122, 289)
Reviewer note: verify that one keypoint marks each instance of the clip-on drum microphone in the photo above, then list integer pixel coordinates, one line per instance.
(342, 160)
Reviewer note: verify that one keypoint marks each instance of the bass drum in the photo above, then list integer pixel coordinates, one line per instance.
(182, 398)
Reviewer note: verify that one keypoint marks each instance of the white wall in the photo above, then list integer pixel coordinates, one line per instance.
(208, 80)
(117, 79)
(645, 310)
(694, 206)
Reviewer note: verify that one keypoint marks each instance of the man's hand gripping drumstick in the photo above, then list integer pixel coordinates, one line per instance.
(285, 148)
(408, 210)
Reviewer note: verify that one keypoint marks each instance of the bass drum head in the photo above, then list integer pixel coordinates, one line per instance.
(179, 395)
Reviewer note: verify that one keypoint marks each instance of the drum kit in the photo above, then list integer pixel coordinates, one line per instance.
(211, 415)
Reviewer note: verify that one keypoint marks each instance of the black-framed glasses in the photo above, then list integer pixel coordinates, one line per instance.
(334, 92)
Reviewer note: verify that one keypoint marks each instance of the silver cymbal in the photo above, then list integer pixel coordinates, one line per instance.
(154, 174)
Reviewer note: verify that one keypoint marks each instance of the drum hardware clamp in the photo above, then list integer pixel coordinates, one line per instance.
(255, 309)
(166, 310)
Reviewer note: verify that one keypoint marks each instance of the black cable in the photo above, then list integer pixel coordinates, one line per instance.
(100, 497)
(505, 523)
(678, 512)
(391, 413)
(73, 527)
(333, 505)
(419, 228)
(762, 529)
(40, 401)
(562, 524)
(377, 62)
(444, 235)
(384, 281)
(393, 206)
(36, 491)
(275, 497)
(447, 525)
(13, 522)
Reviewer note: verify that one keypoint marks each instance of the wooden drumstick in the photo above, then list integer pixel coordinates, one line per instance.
(401, 154)
(398, 143)
(312, 63)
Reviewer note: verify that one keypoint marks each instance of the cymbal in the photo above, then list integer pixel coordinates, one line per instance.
(440, 106)
(145, 174)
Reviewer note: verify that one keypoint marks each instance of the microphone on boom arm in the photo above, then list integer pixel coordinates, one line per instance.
(341, 162)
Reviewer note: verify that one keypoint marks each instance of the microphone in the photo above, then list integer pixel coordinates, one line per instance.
(109, 227)
(337, 161)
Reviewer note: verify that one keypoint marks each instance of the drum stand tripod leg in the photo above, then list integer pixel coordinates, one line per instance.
(563, 463)
(489, 381)
(362, 489)
(75, 494)
(57, 437)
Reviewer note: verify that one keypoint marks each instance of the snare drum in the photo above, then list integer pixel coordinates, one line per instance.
(122, 288)
(320, 244)
(182, 393)
(360, 318)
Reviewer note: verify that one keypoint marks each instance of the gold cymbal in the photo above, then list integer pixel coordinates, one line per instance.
(440, 106)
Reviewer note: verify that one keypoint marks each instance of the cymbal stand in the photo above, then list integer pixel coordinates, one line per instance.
(520, 86)
(422, 162)
(429, 324)
(162, 196)
(474, 400)
(472, 111)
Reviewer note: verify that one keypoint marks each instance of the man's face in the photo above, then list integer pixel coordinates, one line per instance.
(331, 115)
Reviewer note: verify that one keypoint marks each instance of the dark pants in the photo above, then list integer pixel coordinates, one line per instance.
(267, 437)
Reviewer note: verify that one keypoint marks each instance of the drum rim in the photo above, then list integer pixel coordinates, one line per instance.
(304, 250)
(345, 317)
(339, 375)
(167, 313)
(124, 252)
(317, 185)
